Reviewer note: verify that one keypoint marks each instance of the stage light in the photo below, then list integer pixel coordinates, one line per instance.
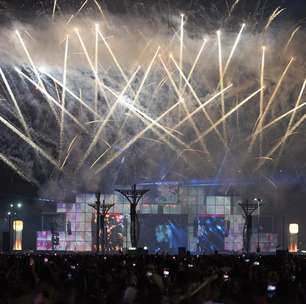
(145, 248)
(19, 205)
(293, 228)
(293, 237)
(17, 227)
(11, 205)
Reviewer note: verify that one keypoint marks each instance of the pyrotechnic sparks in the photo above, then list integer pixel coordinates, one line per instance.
(69, 151)
(228, 62)
(201, 106)
(270, 101)
(49, 97)
(229, 113)
(292, 118)
(221, 81)
(107, 99)
(63, 99)
(78, 11)
(233, 7)
(195, 62)
(276, 13)
(15, 168)
(29, 141)
(34, 69)
(22, 120)
(100, 10)
(54, 9)
(291, 38)
(261, 102)
(103, 124)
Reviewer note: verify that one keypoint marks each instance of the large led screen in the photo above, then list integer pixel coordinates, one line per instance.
(115, 229)
(163, 233)
(161, 194)
(210, 234)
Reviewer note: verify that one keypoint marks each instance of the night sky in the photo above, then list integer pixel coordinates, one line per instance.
(30, 8)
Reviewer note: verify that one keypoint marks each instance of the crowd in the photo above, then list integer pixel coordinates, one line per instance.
(166, 279)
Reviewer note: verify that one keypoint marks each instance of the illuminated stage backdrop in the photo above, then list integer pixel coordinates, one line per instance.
(163, 233)
(210, 232)
(115, 229)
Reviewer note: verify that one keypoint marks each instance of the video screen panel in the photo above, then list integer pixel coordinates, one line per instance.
(162, 194)
(210, 232)
(115, 232)
(264, 223)
(163, 232)
(54, 221)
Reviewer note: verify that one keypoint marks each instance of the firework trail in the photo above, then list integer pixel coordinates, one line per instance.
(90, 100)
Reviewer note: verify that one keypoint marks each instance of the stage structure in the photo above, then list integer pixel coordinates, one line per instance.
(133, 195)
(293, 238)
(171, 215)
(97, 207)
(248, 210)
(104, 212)
(101, 213)
(17, 237)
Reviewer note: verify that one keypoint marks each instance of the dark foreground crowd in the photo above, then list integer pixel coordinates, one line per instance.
(146, 279)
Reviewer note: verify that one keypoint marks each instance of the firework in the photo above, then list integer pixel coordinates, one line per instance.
(119, 96)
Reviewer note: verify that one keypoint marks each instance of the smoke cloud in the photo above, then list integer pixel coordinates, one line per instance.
(98, 150)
